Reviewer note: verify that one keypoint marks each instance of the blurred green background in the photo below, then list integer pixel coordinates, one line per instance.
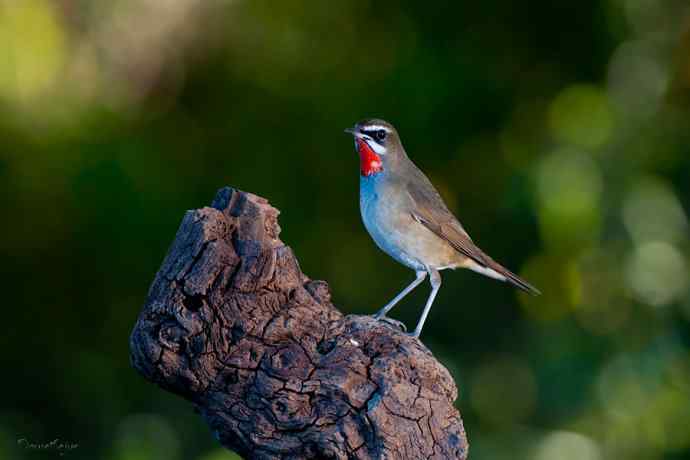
(559, 133)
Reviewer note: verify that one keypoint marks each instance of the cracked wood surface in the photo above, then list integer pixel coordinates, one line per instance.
(232, 325)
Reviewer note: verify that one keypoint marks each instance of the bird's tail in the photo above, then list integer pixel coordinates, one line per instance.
(497, 271)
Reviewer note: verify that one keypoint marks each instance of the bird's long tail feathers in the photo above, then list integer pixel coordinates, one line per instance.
(495, 270)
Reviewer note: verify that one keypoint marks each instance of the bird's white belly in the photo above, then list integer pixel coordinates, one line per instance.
(388, 239)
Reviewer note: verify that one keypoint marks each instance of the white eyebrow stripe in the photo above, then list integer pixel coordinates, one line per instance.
(375, 128)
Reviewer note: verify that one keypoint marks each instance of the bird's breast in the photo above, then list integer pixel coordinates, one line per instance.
(387, 216)
(387, 222)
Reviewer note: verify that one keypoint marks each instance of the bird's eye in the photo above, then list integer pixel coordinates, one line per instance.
(380, 134)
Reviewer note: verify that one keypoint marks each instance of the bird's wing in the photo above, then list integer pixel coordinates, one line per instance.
(430, 210)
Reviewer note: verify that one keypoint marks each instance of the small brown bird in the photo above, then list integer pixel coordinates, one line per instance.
(408, 220)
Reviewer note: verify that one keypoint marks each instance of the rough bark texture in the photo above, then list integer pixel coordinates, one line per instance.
(234, 326)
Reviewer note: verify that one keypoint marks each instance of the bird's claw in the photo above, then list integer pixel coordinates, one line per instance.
(393, 322)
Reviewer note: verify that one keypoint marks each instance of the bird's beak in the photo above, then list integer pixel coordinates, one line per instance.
(357, 134)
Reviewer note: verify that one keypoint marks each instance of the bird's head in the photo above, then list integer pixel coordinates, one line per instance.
(376, 142)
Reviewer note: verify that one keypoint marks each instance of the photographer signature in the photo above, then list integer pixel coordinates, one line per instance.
(57, 445)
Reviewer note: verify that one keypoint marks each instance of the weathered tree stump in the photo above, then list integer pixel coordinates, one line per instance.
(234, 326)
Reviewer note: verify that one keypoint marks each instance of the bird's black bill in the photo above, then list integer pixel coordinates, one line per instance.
(350, 131)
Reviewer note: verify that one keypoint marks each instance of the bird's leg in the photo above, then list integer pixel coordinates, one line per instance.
(382, 313)
(435, 279)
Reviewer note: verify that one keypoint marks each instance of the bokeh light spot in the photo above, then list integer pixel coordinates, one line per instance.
(580, 116)
(651, 211)
(657, 273)
(563, 445)
(637, 81)
(569, 186)
(33, 42)
(621, 388)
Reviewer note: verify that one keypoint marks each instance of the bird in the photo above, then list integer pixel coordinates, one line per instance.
(408, 220)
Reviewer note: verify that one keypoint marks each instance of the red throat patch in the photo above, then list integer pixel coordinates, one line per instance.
(369, 162)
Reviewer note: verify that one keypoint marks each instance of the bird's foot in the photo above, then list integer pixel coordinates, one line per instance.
(393, 322)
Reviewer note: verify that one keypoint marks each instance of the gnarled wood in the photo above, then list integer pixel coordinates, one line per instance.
(234, 326)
